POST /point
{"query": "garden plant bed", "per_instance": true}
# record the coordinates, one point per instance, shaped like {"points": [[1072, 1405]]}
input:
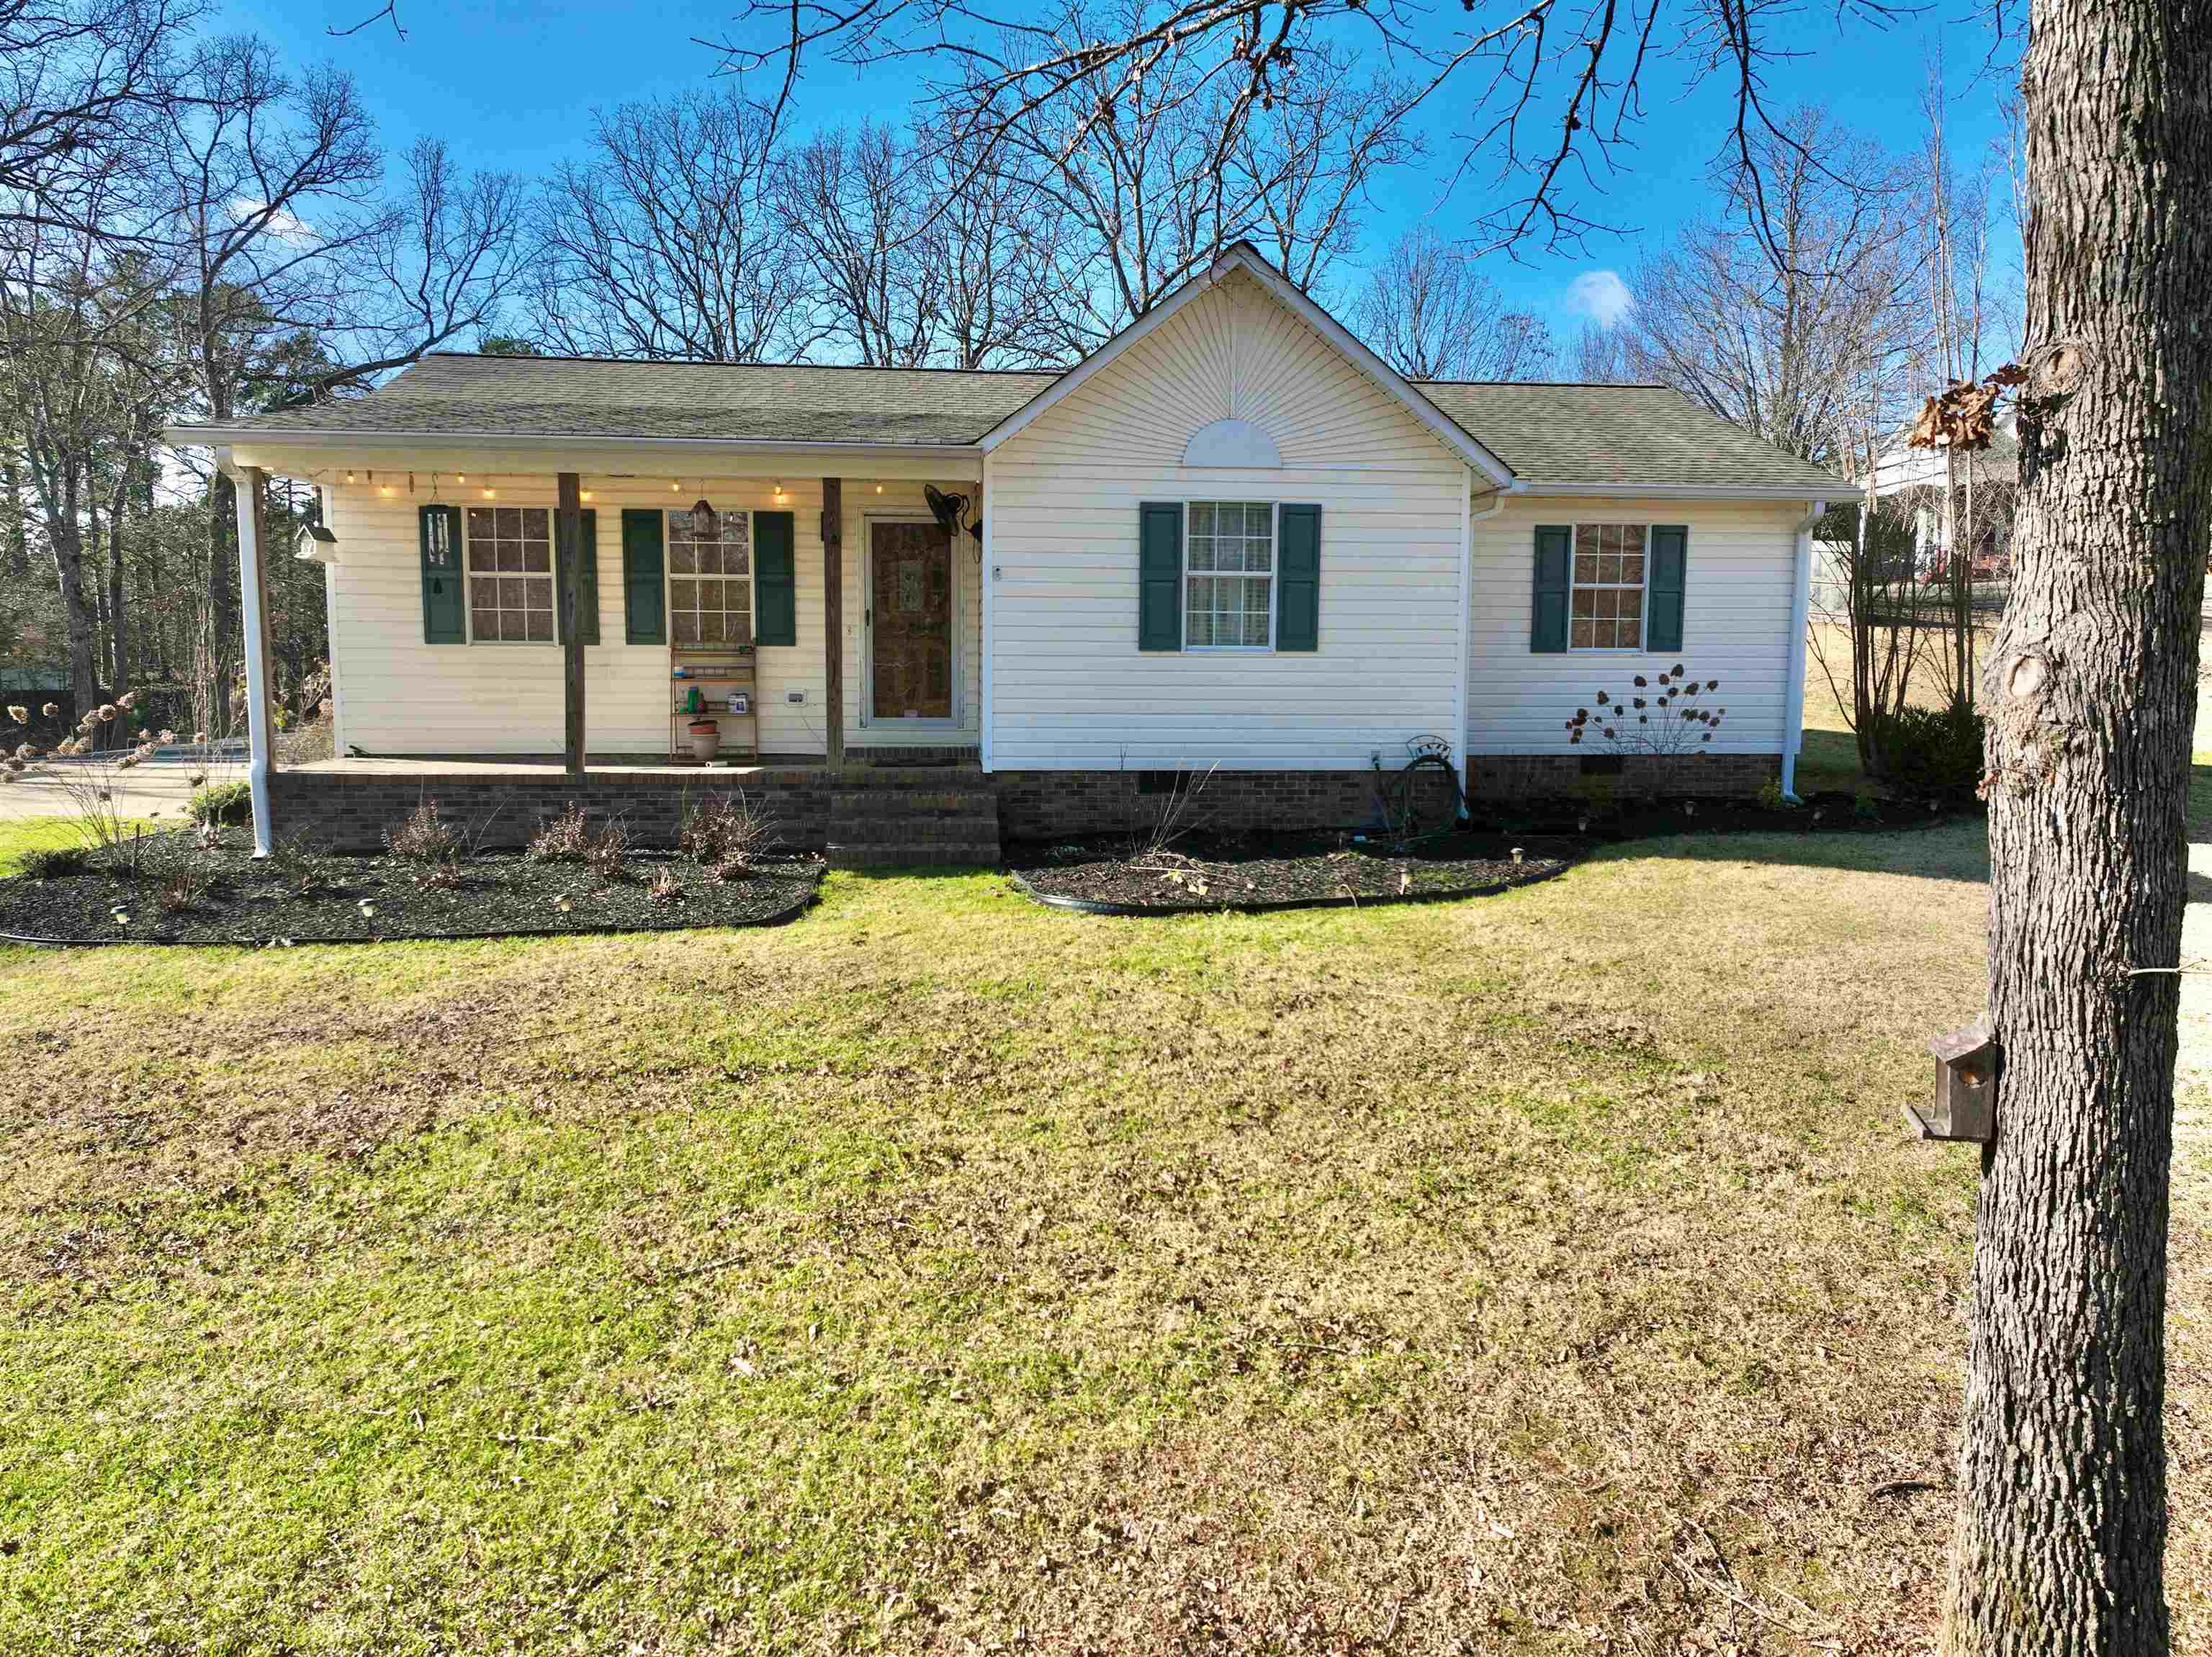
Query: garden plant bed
{"points": [[304, 896], [1632, 817], [1262, 872]]}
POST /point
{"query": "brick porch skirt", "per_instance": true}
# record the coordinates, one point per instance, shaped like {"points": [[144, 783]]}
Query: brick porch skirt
{"points": [[351, 810]]}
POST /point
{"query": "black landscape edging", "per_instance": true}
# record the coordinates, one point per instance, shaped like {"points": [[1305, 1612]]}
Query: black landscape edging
{"points": [[279, 940], [1096, 906]]}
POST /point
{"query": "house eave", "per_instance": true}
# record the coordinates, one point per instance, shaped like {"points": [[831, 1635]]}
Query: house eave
{"points": [[296, 438], [1806, 491]]}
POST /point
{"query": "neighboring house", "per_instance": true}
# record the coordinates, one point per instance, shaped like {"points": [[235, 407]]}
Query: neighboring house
{"points": [[1232, 537]]}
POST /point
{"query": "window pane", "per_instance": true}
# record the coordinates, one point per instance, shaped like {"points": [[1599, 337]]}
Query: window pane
{"points": [[1586, 538], [1632, 635], [684, 627], [536, 556], [1631, 570], [680, 559], [710, 595], [710, 627], [1582, 635], [1201, 554], [541, 626], [1201, 519], [1585, 566]]}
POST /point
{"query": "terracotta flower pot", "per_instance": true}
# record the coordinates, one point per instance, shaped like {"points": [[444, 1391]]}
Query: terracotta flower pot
{"points": [[706, 737]]}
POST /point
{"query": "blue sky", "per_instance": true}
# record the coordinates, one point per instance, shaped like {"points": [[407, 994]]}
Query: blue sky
{"points": [[511, 87]]}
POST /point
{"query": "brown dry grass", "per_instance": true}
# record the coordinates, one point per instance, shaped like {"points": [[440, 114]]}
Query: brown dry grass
{"points": [[1541, 1273]]}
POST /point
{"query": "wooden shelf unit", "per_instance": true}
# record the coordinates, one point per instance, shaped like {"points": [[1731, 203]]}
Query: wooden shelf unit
{"points": [[713, 674]]}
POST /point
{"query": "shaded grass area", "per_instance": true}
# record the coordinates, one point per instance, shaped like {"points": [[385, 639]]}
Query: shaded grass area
{"points": [[1531, 1274]]}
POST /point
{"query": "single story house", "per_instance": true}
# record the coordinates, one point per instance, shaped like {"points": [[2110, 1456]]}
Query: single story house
{"points": [[1232, 539]]}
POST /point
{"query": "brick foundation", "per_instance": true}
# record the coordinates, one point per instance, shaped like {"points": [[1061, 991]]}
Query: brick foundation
{"points": [[351, 810]]}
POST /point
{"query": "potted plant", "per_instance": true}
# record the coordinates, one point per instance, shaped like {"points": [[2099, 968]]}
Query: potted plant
{"points": [[706, 737]]}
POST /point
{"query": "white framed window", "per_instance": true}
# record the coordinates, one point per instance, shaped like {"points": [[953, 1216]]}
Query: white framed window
{"points": [[1229, 576], [1605, 608], [710, 580], [510, 563]]}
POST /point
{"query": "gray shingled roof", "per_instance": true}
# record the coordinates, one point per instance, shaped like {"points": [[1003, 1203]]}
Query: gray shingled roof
{"points": [[1633, 435], [599, 397], [1629, 435]]}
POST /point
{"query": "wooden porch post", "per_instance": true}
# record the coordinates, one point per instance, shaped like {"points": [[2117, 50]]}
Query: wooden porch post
{"points": [[569, 552], [833, 616]]}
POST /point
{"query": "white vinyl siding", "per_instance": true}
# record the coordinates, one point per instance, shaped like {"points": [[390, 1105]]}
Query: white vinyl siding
{"points": [[403, 697], [1070, 690], [1735, 624]]}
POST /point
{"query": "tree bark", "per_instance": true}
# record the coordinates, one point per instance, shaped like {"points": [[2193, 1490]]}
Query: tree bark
{"points": [[2091, 693], [67, 541]]}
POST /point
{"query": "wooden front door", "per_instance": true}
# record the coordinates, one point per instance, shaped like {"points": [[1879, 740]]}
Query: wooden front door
{"points": [[910, 621]]}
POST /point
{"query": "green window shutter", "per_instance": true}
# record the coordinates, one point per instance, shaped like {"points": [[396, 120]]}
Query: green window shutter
{"points": [[776, 580], [1547, 609], [445, 614], [1668, 577], [645, 607], [1159, 575], [1297, 579], [587, 577]]}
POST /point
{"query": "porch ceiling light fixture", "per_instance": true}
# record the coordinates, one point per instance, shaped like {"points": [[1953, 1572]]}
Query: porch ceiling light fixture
{"points": [[702, 519]]}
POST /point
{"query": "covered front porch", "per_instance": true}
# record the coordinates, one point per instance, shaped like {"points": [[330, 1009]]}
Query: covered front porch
{"points": [[493, 625]]}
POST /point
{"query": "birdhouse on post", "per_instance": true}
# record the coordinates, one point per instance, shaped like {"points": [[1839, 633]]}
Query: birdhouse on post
{"points": [[1965, 1104]]}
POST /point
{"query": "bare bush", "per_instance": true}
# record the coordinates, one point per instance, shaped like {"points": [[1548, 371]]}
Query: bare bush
{"points": [[727, 834], [1166, 818], [423, 837], [1659, 715]]}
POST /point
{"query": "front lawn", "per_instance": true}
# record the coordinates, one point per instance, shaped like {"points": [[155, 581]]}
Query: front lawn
{"points": [[1545, 1272]]}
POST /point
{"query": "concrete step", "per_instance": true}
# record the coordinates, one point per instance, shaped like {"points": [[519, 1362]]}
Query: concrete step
{"points": [[909, 855]]}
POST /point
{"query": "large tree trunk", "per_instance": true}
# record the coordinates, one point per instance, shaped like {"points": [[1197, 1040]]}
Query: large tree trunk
{"points": [[222, 569], [119, 636], [2090, 689], [67, 538]]}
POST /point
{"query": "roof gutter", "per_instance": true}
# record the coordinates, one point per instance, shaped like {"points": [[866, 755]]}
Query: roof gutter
{"points": [[1691, 491], [295, 437]]}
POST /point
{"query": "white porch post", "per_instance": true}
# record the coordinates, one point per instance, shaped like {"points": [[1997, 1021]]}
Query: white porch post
{"points": [[1793, 731], [254, 612]]}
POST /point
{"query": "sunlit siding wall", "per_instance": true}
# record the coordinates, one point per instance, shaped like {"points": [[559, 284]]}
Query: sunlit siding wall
{"points": [[400, 695], [1736, 624], [1070, 690]]}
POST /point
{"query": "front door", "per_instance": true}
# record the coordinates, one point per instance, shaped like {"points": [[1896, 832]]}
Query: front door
{"points": [[910, 622]]}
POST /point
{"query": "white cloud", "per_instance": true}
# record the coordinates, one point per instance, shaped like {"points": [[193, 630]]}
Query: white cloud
{"points": [[284, 224], [1601, 295]]}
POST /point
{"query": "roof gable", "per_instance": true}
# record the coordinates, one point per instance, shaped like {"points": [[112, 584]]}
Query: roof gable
{"points": [[1244, 259]]}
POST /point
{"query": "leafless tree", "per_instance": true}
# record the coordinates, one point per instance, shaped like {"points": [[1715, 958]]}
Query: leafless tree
{"points": [[81, 82], [667, 243], [851, 204], [1431, 315], [1769, 313], [1000, 246], [302, 276]]}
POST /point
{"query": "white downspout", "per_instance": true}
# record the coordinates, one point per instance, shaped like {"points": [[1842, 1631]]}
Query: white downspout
{"points": [[252, 610], [989, 571], [1468, 517], [1793, 729]]}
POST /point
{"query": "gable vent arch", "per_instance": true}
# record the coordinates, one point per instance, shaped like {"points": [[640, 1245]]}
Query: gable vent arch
{"points": [[1231, 443]]}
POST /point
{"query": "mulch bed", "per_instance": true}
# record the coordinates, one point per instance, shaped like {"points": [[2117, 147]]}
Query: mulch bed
{"points": [[309, 897], [1264, 872], [1641, 818], [1260, 872]]}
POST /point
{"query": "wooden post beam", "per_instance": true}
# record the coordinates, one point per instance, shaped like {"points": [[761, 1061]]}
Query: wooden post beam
{"points": [[833, 617], [569, 552]]}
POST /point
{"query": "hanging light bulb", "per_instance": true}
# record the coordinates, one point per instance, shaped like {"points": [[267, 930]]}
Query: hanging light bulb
{"points": [[349, 477], [671, 485], [490, 494], [584, 495], [463, 476]]}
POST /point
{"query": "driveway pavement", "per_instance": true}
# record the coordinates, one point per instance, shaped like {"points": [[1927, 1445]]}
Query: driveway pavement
{"points": [[141, 791]]}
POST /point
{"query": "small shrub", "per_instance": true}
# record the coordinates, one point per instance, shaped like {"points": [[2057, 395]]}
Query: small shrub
{"points": [[186, 889], [605, 856], [568, 839], [727, 834], [56, 862], [1771, 798], [222, 802], [421, 837], [1660, 715], [1938, 750], [664, 887]]}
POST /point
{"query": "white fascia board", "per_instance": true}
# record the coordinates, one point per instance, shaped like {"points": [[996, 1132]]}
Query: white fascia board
{"points": [[1446, 430], [693, 451], [1684, 491]]}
